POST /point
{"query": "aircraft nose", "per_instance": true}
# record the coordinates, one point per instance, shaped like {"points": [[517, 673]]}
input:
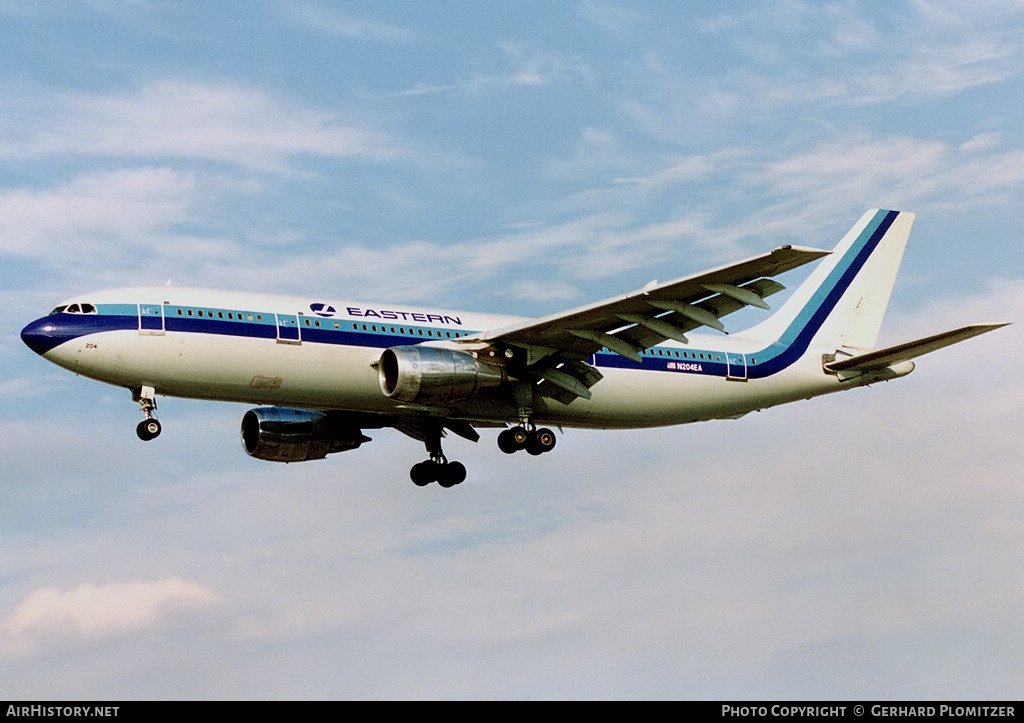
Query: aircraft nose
{"points": [[43, 334]]}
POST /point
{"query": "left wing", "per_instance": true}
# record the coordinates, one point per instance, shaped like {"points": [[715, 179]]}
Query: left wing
{"points": [[554, 348]]}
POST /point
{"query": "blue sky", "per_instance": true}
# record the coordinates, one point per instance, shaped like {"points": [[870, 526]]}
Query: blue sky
{"points": [[512, 158]]}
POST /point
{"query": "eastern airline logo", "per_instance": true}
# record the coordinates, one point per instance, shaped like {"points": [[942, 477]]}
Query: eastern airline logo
{"points": [[323, 310]]}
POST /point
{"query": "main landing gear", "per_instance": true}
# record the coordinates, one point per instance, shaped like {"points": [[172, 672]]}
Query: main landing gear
{"points": [[149, 428], [534, 441], [437, 468], [526, 435]]}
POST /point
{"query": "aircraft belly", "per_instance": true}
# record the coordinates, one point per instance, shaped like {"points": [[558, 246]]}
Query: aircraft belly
{"points": [[635, 398]]}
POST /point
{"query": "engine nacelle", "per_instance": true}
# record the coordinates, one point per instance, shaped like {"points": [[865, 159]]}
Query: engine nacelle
{"points": [[296, 435], [424, 374]]}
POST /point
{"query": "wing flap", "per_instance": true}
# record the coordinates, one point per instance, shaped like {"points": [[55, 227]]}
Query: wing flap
{"points": [[579, 333], [568, 382], [687, 317]]}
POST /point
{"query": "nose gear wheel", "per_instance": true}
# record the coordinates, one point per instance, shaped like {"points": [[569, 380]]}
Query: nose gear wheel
{"points": [[149, 428]]}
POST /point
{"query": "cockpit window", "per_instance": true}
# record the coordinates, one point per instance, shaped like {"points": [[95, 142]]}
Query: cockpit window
{"points": [[75, 309]]}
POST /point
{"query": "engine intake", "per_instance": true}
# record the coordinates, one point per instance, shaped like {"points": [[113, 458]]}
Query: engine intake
{"points": [[424, 374], [277, 434]]}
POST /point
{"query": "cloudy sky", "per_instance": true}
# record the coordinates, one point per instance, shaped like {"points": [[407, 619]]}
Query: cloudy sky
{"points": [[515, 158]]}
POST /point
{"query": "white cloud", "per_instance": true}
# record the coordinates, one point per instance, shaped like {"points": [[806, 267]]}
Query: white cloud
{"points": [[689, 169], [808, 58], [129, 205], [523, 66], [222, 122], [591, 247], [613, 17], [896, 172], [332, 22], [950, 70], [94, 611]]}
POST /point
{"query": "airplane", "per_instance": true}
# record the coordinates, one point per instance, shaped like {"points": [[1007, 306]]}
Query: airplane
{"points": [[324, 371]]}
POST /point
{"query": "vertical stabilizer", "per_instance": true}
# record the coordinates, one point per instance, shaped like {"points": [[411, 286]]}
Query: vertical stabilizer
{"points": [[842, 303]]}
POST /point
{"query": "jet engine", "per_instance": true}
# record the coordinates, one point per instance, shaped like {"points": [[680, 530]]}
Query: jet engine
{"points": [[296, 435], [429, 375]]}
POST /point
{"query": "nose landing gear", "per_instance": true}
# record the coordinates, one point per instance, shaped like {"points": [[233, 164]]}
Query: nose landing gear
{"points": [[149, 428]]}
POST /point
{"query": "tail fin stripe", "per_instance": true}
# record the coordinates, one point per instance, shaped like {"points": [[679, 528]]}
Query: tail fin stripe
{"points": [[796, 338]]}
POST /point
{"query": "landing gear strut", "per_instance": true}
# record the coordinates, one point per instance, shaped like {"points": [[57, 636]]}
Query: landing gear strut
{"points": [[437, 468], [149, 428]]}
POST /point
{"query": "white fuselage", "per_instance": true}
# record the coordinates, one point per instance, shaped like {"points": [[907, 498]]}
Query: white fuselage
{"points": [[289, 352]]}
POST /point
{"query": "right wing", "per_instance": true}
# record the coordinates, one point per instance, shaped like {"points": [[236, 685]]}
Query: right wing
{"points": [[554, 349]]}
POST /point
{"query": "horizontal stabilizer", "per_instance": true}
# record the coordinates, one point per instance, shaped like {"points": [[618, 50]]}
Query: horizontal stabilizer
{"points": [[904, 352]]}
